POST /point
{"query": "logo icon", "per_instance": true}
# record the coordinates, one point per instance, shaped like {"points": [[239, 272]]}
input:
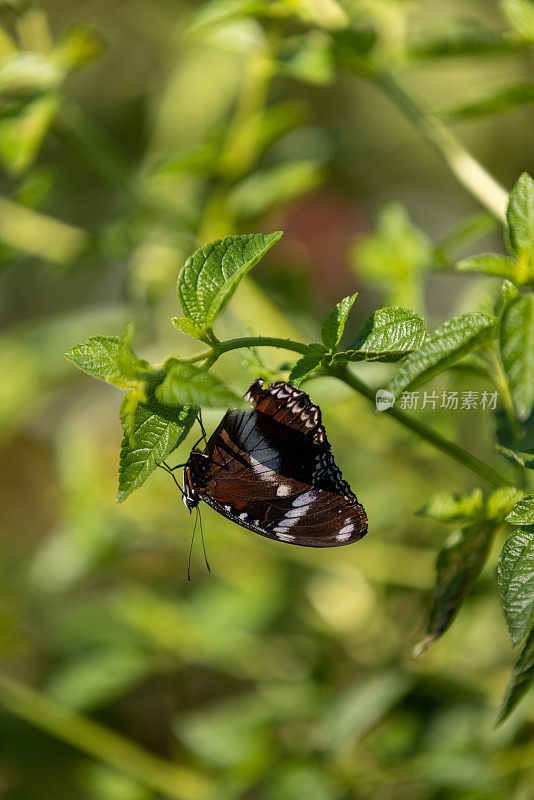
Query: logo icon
{"points": [[384, 400]]}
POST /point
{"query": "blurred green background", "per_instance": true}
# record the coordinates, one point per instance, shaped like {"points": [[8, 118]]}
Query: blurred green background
{"points": [[130, 133]]}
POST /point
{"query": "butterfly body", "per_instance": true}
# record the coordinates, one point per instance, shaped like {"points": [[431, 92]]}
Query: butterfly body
{"points": [[271, 471]]}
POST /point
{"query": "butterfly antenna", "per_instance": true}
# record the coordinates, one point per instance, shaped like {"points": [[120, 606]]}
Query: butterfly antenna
{"points": [[202, 537], [191, 548]]}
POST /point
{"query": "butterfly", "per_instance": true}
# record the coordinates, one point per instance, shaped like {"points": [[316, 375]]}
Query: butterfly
{"points": [[270, 469]]}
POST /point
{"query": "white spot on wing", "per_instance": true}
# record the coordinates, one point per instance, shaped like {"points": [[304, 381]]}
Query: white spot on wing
{"points": [[295, 513], [345, 532], [285, 537], [283, 490], [305, 499], [286, 523], [244, 515]]}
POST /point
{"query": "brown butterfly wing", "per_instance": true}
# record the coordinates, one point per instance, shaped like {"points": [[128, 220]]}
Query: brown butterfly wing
{"points": [[271, 470]]}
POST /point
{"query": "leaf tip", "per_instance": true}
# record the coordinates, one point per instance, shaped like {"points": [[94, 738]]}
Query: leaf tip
{"points": [[502, 716], [420, 648]]}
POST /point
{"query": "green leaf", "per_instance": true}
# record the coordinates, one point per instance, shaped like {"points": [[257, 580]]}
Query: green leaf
{"points": [[473, 364], [94, 679], [27, 74], [520, 219], [307, 57], [462, 235], [258, 192], [520, 680], [77, 46], [389, 334], [327, 14], [334, 324], [520, 16], [218, 12], [211, 275], [353, 48], [501, 501], [394, 256], [276, 120], [187, 385], [110, 359], [459, 564], [50, 239], [156, 431], [492, 264], [449, 507], [128, 413], [305, 367], [467, 39], [516, 583], [509, 292], [517, 352], [496, 101], [507, 435], [199, 159], [514, 457], [447, 345], [523, 512], [187, 326], [21, 137], [360, 706], [296, 779], [35, 188]]}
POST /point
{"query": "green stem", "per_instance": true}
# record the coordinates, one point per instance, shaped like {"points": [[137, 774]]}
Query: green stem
{"points": [[501, 382], [469, 172], [107, 746], [247, 341], [434, 438]]}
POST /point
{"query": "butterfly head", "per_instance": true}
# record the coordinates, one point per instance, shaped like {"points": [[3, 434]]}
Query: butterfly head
{"points": [[194, 478]]}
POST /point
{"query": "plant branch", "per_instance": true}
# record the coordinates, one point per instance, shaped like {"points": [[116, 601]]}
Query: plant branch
{"points": [[107, 746], [501, 382], [434, 438], [469, 172], [246, 341]]}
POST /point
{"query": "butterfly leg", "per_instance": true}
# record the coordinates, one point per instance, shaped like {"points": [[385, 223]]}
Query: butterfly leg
{"points": [[203, 438], [199, 417], [166, 467], [170, 470]]}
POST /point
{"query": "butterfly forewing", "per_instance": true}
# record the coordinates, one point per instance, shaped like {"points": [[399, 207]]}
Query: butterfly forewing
{"points": [[271, 470]]}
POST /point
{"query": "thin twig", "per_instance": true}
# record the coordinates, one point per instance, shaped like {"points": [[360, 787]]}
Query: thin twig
{"points": [[468, 171]]}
